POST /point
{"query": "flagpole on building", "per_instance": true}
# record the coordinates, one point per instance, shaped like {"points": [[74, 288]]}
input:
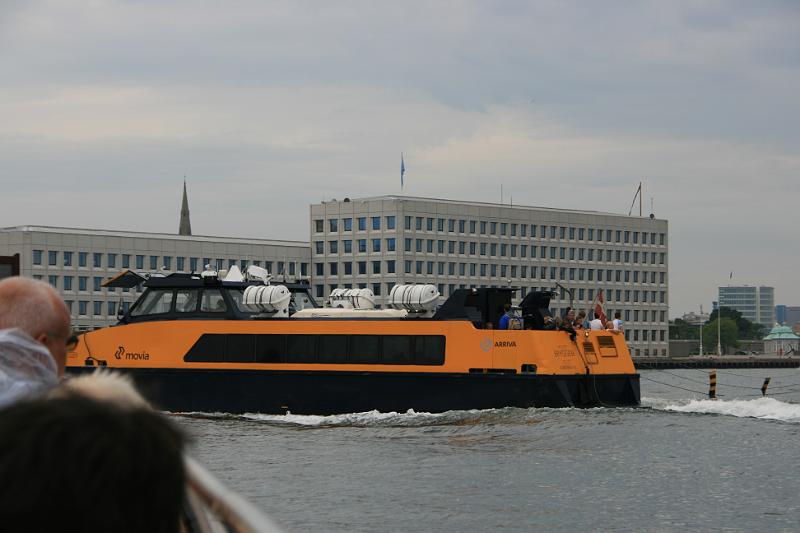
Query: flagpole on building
{"points": [[402, 170]]}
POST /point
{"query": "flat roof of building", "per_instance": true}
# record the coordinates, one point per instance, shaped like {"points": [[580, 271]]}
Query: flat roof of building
{"points": [[152, 235], [486, 204]]}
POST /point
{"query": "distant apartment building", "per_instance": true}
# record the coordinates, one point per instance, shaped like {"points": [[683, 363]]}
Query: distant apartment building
{"points": [[77, 261], [381, 241], [787, 315], [757, 304]]}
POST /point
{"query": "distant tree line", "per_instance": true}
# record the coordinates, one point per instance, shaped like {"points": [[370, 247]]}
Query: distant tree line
{"points": [[733, 328]]}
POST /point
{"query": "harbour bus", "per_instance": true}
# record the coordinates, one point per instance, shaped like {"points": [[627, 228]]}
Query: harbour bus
{"points": [[240, 342]]}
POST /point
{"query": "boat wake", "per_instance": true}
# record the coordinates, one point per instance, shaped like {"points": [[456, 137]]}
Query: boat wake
{"points": [[409, 418], [763, 408], [366, 419]]}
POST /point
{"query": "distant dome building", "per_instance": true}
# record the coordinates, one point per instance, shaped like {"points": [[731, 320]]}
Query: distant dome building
{"points": [[782, 341]]}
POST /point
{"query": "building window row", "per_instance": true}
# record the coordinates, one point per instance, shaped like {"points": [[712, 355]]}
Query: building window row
{"points": [[374, 222], [155, 262], [510, 229], [84, 306], [361, 268], [431, 246]]}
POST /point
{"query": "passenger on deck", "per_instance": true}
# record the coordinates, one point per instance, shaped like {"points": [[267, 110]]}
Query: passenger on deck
{"points": [[617, 322], [507, 316], [569, 317], [596, 323], [35, 335], [580, 321], [75, 464]]}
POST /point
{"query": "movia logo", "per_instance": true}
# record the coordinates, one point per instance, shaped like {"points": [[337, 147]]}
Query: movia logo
{"points": [[121, 353]]}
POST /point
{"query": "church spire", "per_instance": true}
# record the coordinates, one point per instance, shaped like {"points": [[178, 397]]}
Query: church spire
{"points": [[185, 226]]}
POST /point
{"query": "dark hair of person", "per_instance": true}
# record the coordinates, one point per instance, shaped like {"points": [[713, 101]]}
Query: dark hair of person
{"points": [[74, 464]]}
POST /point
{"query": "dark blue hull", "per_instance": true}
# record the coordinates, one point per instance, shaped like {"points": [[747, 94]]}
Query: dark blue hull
{"points": [[323, 393]]}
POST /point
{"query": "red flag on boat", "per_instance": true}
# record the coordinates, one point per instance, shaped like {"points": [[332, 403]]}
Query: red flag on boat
{"points": [[599, 310]]}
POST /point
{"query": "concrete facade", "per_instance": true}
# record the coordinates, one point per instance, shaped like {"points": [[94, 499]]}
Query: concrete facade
{"points": [[76, 261], [382, 241], [757, 304]]}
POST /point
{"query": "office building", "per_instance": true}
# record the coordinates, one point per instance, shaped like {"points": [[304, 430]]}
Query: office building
{"points": [[378, 242], [756, 304], [787, 315]]}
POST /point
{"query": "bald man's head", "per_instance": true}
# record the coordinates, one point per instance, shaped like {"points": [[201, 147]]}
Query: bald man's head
{"points": [[36, 308]]}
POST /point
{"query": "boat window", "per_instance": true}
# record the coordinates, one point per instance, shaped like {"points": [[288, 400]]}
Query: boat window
{"points": [[212, 302], [301, 348], [430, 350], [365, 349], [397, 350], [237, 295], [209, 348], [332, 348], [240, 348], [270, 348], [186, 300], [321, 349], [153, 302]]}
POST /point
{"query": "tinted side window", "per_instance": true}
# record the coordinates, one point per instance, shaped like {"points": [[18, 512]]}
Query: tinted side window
{"points": [[270, 348], [301, 348], [323, 349], [430, 350], [240, 348], [397, 350], [209, 348], [332, 349], [365, 349]]}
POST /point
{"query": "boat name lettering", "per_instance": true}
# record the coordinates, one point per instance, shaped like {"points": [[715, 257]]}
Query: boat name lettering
{"points": [[122, 353], [505, 344], [563, 351]]}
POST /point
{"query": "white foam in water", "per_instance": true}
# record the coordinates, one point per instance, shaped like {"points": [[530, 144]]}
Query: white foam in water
{"points": [[765, 408], [349, 419]]}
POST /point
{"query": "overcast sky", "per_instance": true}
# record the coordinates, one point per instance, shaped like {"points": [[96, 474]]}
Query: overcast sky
{"points": [[268, 107]]}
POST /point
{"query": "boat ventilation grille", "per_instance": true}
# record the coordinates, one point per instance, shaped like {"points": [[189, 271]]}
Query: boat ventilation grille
{"points": [[492, 371], [588, 350], [608, 347]]}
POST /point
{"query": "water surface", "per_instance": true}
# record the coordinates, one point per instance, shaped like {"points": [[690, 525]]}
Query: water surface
{"points": [[680, 461]]}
